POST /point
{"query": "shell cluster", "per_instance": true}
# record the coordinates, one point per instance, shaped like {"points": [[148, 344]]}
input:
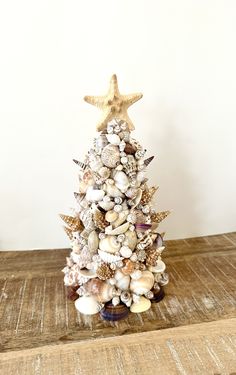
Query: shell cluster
{"points": [[115, 265]]}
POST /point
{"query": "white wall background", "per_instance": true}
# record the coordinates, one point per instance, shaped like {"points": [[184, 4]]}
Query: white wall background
{"points": [[180, 54]]}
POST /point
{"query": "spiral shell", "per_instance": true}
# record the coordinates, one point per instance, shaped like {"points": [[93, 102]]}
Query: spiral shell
{"points": [[111, 216], [130, 167], [109, 244], [110, 156], [143, 284]]}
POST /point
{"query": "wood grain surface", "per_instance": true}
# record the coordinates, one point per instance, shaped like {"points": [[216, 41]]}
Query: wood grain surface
{"points": [[35, 314]]}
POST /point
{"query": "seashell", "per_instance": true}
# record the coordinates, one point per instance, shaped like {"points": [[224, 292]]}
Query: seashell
{"points": [[140, 154], [101, 141], [121, 218], [99, 219], [88, 305], [140, 176], [113, 191], [131, 237], [105, 272], [137, 274], [96, 164], [121, 181], [148, 160], [108, 258], [102, 291], [145, 242], [114, 313], [131, 193], [107, 206], [126, 298], [111, 216], [115, 301], [109, 244], [104, 172], [130, 149], [93, 242], [137, 199], [144, 304], [94, 195], [90, 274], [114, 139], [88, 177], [119, 230], [122, 281], [148, 194], [158, 295], [143, 284], [164, 279], [157, 217], [74, 223], [125, 252], [110, 156], [130, 167], [69, 232], [158, 268], [87, 218], [129, 267], [142, 227], [83, 166]]}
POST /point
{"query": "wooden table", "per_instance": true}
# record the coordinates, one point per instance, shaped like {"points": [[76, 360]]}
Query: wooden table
{"points": [[191, 331]]}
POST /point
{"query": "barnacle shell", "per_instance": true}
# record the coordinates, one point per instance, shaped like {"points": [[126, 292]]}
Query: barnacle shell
{"points": [[144, 284], [110, 156], [109, 244], [121, 181], [119, 230], [111, 216], [93, 241], [109, 258], [88, 305], [114, 313], [143, 305], [102, 291]]}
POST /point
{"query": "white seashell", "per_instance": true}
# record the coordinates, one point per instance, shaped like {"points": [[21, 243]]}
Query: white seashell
{"points": [[94, 195], [111, 216], [121, 181], [107, 206], [122, 281], [113, 139], [109, 258], [118, 208], [109, 244], [131, 192], [121, 218], [90, 274], [113, 191], [126, 298], [158, 268], [115, 300], [143, 284], [142, 305], [110, 156], [93, 241], [96, 164], [119, 230], [104, 172], [137, 274], [137, 199], [125, 251], [140, 176], [88, 305]]}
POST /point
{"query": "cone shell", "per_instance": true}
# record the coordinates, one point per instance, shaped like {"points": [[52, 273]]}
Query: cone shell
{"points": [[69, 232], [148, 160], [147, 195], [159, 216], [144, 304], [128, 267], [88, 305], [144, 284], [109, 244], [110, 156], [73, 222], [102, 291]]}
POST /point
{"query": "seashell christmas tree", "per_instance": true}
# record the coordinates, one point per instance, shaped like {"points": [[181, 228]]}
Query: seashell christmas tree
{"points": [[115, 265]]}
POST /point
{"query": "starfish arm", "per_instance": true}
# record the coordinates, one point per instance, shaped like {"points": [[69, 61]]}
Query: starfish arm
{"points": [[97, 101], [107, 115], [113, 88], [131, 98]]}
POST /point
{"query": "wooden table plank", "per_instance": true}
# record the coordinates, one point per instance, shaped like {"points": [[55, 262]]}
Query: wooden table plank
{"points": [[206, 348], [34, 310]]}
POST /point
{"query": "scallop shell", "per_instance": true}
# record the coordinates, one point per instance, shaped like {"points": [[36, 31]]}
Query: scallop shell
{"points": [[102, 291], [119, 230], [113, 139], [93, 242], [88, 305], [109, 244], [122, 281], [108, 258], [158, 268], [121, 181], [114, 313], [144, 284], [111, 216], [110, 156], [107, 206], [144, 304], [131, 237], [121, 218], [94, 195]]}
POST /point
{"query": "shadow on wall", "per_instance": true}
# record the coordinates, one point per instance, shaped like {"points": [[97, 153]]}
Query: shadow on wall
{"points": [[175, 175]]}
